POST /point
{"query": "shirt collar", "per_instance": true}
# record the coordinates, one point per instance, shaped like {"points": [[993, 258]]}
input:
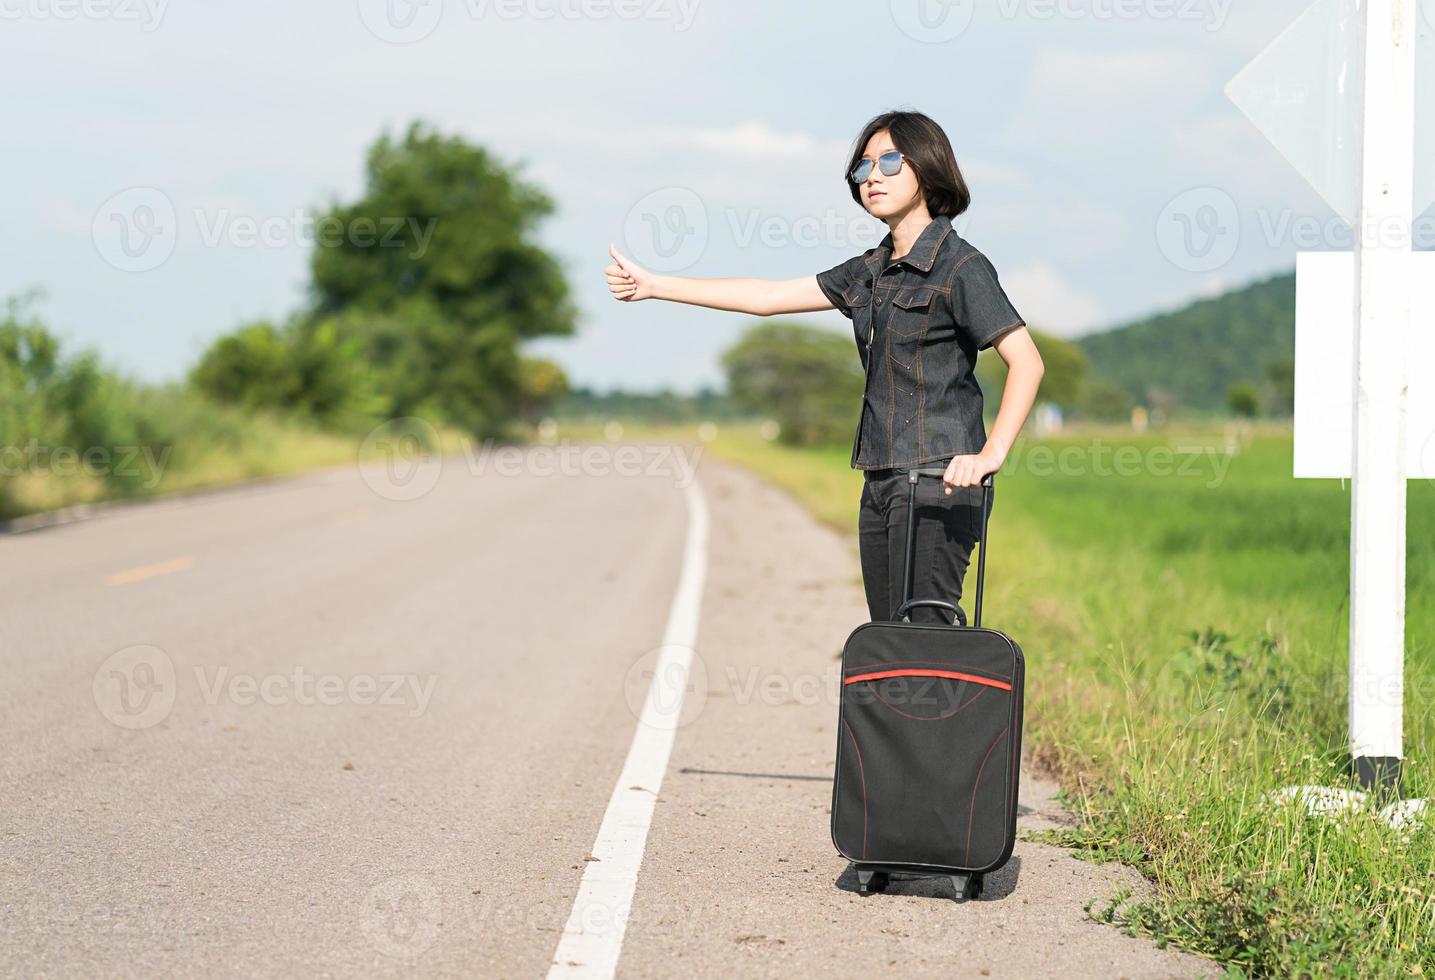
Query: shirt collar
{"points": [[924, 249]]}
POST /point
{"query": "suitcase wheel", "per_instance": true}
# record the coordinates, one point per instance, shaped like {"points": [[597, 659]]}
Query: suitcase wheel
{"points": [[871, 882], [967, 886]]}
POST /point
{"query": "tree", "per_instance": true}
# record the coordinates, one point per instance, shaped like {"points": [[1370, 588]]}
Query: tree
{"points": [[1062, 384], [544, 383], [458, 285], [249, 367], [1106, 401], [306, 368], [1243, 399], [1280, 387], [804, 377]]}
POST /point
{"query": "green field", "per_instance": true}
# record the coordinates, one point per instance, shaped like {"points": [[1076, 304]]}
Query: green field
{"points": [[1184, 619]]}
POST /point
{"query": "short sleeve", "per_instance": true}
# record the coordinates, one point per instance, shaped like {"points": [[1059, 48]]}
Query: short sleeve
{"points": [[836, 281], [980, 306]]}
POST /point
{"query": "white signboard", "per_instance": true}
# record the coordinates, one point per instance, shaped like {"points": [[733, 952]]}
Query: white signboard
{"points": [[1325, 366]]}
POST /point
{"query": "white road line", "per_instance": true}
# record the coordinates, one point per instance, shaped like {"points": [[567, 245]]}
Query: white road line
{"points": [[593, 938]]}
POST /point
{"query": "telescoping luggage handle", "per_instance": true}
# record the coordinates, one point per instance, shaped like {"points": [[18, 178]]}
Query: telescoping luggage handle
{"points": [[913, 475]]}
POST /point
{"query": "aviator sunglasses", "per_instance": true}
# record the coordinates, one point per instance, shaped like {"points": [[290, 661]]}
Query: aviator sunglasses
{"points": [[890, 162]]}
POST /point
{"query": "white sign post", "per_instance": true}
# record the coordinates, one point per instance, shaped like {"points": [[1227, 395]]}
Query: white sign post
{"points": [[1382, 340], [1337, 94]]}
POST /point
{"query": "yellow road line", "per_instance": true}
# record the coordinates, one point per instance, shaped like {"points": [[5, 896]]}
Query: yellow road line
{"points": [[143, 572]]}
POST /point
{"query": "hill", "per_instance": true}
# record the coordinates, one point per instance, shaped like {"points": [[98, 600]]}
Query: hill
{"points": [[1190, 358]]}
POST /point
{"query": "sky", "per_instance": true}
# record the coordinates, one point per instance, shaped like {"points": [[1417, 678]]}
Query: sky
{"points": [[163, 160]]}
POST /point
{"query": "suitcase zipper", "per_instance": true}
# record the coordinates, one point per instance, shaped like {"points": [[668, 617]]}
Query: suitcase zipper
{"points": [[919, 672]]}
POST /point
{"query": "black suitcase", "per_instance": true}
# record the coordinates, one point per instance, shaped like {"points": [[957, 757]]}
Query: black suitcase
{"points": [[928, 740]]}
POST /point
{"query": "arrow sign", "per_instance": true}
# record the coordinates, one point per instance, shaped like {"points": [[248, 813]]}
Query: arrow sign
{"points": [[1304, 93]]}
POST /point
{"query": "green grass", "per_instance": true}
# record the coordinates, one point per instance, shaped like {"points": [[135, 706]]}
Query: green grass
{"points": [[1185, 632], [202, 445]]}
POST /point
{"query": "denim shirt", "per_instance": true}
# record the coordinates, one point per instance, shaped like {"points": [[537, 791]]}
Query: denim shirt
{"points": [[919, 323]]}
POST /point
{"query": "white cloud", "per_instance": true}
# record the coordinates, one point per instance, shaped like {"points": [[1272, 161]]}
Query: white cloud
{"points": [[1048, 302], [1080, 228], [1103, 84], [753, 139]]}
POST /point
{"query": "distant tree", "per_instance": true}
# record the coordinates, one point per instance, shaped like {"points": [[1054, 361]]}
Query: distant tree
{"points": [[1243, 400], [54, 399], [451, 277], [29, 366], [1107, 401], [307, 368], [1280, 386], [249, 367], [806, 378], [459, 226], [1197, 352], [1163, 402], [583, 402], [543, 384], [1062, 384]]}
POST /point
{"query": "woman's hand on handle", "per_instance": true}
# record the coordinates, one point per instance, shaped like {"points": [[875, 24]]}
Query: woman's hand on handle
{"points": [[970, 470], [627, 280]]}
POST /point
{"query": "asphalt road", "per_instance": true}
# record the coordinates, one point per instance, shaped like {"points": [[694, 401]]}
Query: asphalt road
{"points": [[315, 728]]}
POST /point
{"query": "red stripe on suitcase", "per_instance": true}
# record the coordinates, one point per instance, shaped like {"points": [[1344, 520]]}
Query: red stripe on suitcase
{"points": [[917, 672]]}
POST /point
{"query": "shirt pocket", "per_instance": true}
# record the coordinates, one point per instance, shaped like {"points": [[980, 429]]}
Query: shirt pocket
{"points": [[858, 297], [911, 308]]}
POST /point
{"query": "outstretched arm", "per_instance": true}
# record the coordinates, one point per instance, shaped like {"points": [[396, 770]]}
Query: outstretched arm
{"points": [[629, 282]]}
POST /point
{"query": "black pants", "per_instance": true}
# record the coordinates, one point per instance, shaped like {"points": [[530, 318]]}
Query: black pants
{"points": [[948, 527]]}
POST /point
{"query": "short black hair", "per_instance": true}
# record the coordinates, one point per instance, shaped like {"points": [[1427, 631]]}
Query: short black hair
{"points": [[927, 151]]}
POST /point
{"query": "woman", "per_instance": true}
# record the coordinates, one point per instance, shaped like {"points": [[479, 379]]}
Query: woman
{"points": [[923, 302]]}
